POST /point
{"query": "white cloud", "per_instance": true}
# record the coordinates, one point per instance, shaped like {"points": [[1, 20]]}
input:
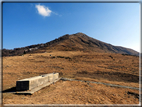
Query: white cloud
{"points": [[56, 14], [43, 10]]}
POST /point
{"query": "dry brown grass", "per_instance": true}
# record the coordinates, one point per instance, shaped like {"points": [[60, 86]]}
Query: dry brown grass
{"points": [[73, 92], [100, 67]]}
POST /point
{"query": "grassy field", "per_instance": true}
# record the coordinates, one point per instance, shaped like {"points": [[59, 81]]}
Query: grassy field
{"points": [[91, 66]]}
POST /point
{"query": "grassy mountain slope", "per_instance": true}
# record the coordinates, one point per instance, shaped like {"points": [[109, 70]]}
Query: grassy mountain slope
{"points": [[74, 42]]}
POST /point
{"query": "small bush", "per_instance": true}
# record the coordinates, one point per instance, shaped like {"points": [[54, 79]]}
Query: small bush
{"points": [[60, 56], [67, 58], [53, 57], [64, 57], [83, 72], [110, 56], [60, 73]]}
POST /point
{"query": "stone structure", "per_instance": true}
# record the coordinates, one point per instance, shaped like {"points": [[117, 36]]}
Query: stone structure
{"points": [[33, 82]]}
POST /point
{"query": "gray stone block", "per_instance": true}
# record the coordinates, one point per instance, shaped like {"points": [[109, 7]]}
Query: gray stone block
{"points": [[33, 82]]}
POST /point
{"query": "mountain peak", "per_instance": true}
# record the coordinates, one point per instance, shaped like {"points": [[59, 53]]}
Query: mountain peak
{"points": [[74, 42], [80, 33]]}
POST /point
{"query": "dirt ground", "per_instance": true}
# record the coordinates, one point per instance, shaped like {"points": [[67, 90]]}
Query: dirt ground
{"points": [[100, 67], [73, 92]]}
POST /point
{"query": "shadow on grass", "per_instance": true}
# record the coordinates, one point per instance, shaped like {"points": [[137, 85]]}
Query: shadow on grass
{"points": [[134, 94], [13, 89]]}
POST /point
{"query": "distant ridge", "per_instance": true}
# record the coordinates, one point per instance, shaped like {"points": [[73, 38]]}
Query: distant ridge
{"points": [[73, 42]]}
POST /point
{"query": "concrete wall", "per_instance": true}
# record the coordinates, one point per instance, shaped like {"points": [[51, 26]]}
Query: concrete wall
{"points": [[30, 83]]}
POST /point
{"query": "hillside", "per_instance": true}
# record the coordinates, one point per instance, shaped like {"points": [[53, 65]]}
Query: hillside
{"points": [[75, 56], [74, 42], [88, 66]]}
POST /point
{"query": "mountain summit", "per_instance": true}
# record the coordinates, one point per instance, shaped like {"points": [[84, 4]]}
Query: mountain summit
{"points": [[73, 42]]}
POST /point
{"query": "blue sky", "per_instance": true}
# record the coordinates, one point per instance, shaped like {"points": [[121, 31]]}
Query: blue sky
{"points": [[33, 23]]}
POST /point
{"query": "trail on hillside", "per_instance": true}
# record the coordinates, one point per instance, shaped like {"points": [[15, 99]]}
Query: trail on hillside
{"points": [[112, 85]]}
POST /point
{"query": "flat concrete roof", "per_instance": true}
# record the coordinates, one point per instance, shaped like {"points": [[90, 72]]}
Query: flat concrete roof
{"points": [[27, 79], [36, 77]]}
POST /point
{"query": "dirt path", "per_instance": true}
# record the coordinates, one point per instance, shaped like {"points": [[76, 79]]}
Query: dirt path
{"points": [[112, 85]]}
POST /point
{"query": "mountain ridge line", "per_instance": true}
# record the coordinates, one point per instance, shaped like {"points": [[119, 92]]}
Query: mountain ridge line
{"points": [[73, 42]]}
